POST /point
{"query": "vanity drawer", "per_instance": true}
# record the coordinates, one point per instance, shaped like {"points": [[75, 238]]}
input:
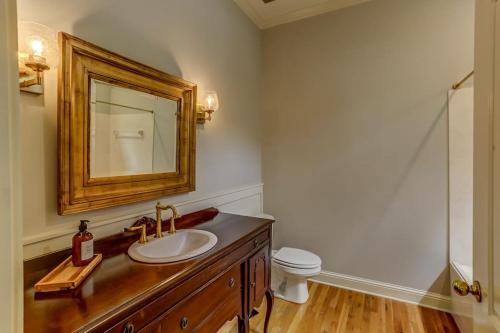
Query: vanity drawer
{"points": [[261, 239], [206, 309]]}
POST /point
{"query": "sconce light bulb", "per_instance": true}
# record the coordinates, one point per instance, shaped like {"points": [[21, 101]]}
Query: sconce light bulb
{"points": [[37, 47], [210, 102]]}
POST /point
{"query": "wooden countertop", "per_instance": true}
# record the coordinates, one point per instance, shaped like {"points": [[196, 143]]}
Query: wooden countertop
{"points": [[119, 283]]}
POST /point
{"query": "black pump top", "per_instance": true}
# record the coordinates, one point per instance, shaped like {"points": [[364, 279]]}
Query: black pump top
{"points": [[83, 225]]}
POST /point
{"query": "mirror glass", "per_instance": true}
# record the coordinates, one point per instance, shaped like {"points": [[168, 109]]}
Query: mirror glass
{"points": [[131, 132]]}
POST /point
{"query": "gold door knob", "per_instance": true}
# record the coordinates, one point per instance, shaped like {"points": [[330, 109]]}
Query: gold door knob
{"points": [[463, 289]]}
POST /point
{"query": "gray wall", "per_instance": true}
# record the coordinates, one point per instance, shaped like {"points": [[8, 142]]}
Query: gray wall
{"points": [[355, 136], [209, 42]]}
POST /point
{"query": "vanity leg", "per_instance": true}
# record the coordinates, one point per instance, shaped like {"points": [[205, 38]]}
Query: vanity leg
{"points": [[243, 325], [269, 308]]}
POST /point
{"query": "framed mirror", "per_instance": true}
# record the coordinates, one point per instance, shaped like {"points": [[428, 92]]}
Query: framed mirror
{"points": [[126, 131]]}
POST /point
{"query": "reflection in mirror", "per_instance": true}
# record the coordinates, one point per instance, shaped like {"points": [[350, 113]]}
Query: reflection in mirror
{"points": [[131, 132]]}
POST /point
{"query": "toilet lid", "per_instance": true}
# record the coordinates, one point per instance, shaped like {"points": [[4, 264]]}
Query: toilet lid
{"points": [[296, 258]]}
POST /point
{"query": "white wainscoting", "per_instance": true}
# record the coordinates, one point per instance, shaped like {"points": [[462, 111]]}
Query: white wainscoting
{"points": [[243, 201], [387, 290]]}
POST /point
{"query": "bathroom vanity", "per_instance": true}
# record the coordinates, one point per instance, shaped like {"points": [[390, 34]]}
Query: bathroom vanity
{"points": [[196, 295]]}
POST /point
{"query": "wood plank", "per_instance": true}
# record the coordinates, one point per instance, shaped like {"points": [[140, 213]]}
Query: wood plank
{"points": [[331, 310], [66, 276]]}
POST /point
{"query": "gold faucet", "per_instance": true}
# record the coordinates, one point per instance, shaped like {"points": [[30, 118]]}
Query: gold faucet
{"points": [[142, 228], [175, 215]]}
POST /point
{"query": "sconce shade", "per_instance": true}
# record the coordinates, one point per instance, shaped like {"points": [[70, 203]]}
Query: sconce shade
{"points": [[37, 43], [38, 52], [210, 101]]}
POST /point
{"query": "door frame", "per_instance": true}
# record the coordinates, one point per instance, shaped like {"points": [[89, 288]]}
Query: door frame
{"points": [[483, 205], [11, 282]]}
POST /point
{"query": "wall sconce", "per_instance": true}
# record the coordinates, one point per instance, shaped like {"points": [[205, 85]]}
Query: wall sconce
{"points": [[37, 54], [209, 104]]}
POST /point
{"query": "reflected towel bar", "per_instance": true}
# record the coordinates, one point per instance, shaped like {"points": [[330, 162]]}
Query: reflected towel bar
{"points": [[459, 84], [124, 134], [122, 106]]}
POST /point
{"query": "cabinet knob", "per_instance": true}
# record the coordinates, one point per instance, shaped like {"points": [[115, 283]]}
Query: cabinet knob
{"points": [[252, 284], [184, 323], [232, 281], [128, 328]]}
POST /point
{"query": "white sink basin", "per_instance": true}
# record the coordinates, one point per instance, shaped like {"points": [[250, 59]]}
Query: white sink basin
{"points": [[184, 244]]}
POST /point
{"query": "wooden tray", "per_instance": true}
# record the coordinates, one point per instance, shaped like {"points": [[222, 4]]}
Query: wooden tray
{"points": [[66, 275]]}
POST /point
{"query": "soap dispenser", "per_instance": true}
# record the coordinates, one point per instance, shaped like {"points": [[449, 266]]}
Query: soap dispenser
{"points": [[83, 246]]}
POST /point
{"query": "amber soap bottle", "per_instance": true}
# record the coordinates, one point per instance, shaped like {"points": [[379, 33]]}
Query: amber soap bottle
{"points": [[83, 246]]}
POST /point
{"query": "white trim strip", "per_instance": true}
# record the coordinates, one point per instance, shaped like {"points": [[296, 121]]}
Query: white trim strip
{"points": [[386, 290], [60, 238]]}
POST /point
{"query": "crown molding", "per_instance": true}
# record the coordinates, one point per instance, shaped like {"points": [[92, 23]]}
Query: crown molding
{"points": [[295, 15], [248, 9]]}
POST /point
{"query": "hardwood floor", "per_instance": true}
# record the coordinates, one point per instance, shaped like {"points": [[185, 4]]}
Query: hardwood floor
{"points": [[334, 310]]}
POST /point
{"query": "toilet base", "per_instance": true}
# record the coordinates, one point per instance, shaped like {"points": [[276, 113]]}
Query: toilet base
{"points": [[288, 287]]}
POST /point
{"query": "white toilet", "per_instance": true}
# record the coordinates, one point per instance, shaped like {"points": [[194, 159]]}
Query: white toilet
{"points": [[290, 270]]}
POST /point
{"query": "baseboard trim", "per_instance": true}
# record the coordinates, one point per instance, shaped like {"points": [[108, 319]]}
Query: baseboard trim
{"points": [[386, 290], [232, 200]]}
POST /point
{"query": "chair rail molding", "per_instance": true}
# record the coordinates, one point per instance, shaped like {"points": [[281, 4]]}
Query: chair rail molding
{"points": [[247, 200]]}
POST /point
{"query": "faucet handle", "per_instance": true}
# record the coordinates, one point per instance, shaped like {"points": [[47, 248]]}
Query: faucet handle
{"points": [[142, 228], [172, 222]]}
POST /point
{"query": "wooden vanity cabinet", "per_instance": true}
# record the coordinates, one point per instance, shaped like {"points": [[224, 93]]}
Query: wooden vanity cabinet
{"points": [[200, 295]]}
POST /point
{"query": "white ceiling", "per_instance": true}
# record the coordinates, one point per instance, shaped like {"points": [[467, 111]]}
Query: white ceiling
{"points": [[284, 11]]}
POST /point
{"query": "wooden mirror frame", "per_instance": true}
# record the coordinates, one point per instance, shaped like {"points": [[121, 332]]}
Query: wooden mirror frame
{"points": [[77, 191]]}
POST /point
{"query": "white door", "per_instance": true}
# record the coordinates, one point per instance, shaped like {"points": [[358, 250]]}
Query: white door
{"points": [[486, 270]]}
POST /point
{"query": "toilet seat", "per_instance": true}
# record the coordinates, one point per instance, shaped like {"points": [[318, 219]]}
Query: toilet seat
{"points": [[298, 271], [287, 264], [297, 259]]}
